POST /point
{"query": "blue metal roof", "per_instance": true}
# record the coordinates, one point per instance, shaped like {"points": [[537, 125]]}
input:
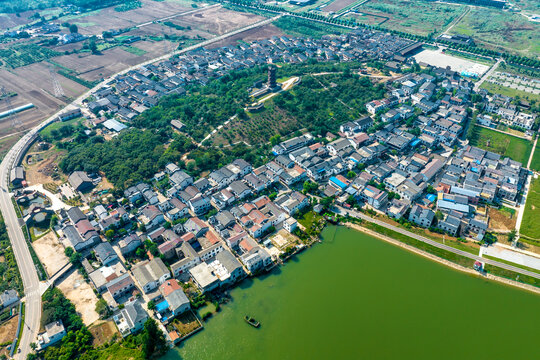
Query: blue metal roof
{"points": [[338, 182]]}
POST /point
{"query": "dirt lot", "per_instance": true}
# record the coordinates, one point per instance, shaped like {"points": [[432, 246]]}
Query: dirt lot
{"points": [[81, 295], [501, 220], [8, 329], [102, 331], [217, 20], [41, 171], [50, 252]]}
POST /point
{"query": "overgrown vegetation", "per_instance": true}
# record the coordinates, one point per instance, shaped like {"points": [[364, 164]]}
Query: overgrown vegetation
{"points": [[129, 158], [77, 344], [506, 145], [530, 226], [10, 277]]}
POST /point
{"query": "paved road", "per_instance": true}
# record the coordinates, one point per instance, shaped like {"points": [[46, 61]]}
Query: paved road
{"points": [[32, 286], [487, 75], [439, 245], [24, 261]]}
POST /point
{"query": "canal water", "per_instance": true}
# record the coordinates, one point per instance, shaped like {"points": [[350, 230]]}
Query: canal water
{"points": [[356, 297]]}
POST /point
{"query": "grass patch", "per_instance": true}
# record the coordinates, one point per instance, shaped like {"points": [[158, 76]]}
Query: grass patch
{"points": [[535, 163], [503, 90], [118, 351], [500, 30], [530, 226], [134, 50], [512, 263], [525, 279], [42, 274], [503, 144], [444, 254], [59, 129]]}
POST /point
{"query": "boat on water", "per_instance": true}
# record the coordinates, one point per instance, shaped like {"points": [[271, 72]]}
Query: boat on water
{"points": [[251, 321]]}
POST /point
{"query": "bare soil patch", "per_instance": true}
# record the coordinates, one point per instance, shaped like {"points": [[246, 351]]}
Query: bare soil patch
{"points": [[260, 33], [41, 171], [81, 295], [8, 330], [32, 84], [499, 220], [50, 252], [217, 20], [102, 332]]}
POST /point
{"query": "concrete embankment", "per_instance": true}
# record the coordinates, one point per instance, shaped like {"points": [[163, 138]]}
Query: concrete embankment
{"points": [[441, 260]]}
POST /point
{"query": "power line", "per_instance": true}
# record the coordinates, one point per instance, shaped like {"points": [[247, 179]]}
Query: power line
{"points": [[57, 88]]}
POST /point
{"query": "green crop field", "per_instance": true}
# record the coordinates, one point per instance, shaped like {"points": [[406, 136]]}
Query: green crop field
{"points": [[496, 29], [530, 226], [506, 145], [416, 17]]}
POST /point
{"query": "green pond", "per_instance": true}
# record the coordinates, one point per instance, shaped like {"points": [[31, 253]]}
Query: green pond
{"points": [[356, 297]]}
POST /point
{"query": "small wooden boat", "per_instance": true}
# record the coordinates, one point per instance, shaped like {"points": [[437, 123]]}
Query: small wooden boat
{"points": [[251, 321]]}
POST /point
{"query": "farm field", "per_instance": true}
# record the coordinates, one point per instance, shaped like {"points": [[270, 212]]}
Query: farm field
{"points": [[497, 29], [260, 33], [416, 17], [95, 22], [92, 67], [530, 226], [506, 145], [337, 5]]}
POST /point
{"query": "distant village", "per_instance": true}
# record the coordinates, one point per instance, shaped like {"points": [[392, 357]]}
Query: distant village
{"points": [[213, 231]]}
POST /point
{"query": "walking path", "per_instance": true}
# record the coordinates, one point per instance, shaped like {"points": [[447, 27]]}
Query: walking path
{"points": [[487, 75], [56, 203], [437, 244], [532, 153], [503, 132]]}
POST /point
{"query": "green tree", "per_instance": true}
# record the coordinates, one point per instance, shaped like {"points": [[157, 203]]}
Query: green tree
{"points": [[92, 46], [153, 340], [151, 305], [69, 251], [102, 308], [351, 174], [73, 29], [109, 234]]}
